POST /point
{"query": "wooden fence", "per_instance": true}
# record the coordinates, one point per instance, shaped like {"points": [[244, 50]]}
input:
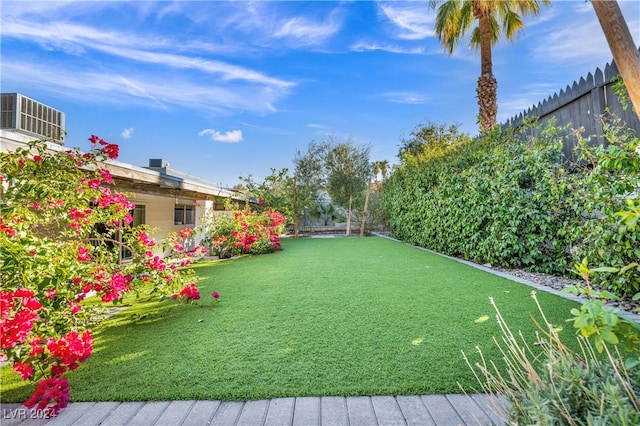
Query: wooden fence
{"points": [[581, 105]]}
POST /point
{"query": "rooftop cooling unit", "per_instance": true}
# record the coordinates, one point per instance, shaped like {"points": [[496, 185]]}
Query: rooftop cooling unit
{"points": [[27, 116]]}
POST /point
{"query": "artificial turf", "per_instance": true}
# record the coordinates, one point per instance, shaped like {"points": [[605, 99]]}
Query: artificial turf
{"points": [[335, 316]]}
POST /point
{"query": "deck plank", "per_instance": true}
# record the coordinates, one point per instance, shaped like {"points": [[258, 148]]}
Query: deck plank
{"points": [[387, 411], [280, 412], [253, 413], [468, 410], [414, 411], [333, 411], [306, 411], [122, 414], [227, 413], [494, 407], [149, 413], [361, 411], [201, 413], [441, 410], [96, 414], [175, 413]]}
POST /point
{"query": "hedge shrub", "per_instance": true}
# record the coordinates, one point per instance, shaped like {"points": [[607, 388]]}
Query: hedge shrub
{"points": [[518, 204]]}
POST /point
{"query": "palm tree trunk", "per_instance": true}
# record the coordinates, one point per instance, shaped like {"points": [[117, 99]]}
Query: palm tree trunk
{"points": [[487, 84], [625, 53]]}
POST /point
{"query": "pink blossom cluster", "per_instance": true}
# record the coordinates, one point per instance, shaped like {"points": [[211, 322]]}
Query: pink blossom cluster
{"points": [[111, 150], [52, 394], [18, 312]]}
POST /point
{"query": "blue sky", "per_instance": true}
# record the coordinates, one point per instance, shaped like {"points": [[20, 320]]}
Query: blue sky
{"points": [[222, 89]]}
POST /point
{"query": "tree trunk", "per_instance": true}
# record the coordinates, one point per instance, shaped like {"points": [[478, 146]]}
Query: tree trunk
{"points": [[487, 85], [349, 217], [295, 209], [366, 206], [487, 101], [624, 51]]}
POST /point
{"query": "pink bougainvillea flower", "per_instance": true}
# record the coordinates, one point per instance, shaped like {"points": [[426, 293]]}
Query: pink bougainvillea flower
{"points": [[106, 175], [215, 295], [52, 390], [94, 183], [190, 292], [83, 254], [24, 369], [111, 150]]}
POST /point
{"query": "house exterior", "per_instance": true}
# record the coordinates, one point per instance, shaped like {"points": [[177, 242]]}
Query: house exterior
{"points": [[165, 199]]}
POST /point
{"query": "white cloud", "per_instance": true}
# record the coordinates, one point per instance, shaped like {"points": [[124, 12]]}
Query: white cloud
{"points": [[232, 136], [404, 98], [413, 20], [306, 32], [119, 86], [364, 46], [127, 133], [76, 39]]}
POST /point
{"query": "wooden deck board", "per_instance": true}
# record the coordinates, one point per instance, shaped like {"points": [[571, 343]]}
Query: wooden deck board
{"points": [[425, 410]]}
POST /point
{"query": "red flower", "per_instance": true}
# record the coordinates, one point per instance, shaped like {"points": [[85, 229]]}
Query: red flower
{"points": [[24, 369], [37, 158], [106, 175], [9, 231], [22, 292], [190, 292], [111, 150], [215, 295], [54, 390], [83, 254], [94, 183]]}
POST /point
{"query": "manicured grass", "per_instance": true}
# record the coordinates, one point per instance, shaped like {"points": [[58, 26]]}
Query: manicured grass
{"points": [[323, 317]]}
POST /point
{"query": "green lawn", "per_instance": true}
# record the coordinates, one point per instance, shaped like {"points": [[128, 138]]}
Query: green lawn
{"points": [[323, 317]]}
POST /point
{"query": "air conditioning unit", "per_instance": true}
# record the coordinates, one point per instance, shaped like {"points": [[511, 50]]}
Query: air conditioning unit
{"points": [[24, 115]]}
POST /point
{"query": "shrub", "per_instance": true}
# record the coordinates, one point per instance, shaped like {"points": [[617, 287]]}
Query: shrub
{"points": [[243, 232], [547, 383], [518, 204], [62, 229]]}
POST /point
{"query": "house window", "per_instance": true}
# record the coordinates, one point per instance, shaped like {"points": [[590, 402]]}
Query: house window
{"points": [[184, 215]]}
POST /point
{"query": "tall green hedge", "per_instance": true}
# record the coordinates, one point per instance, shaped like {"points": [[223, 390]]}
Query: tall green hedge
{"points": [[518, 204]]}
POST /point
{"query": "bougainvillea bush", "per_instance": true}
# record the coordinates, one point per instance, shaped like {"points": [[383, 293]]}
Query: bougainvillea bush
{"points": [[243, 231], [62, 231]]}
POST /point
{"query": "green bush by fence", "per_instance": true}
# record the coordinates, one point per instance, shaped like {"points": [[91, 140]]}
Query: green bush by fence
{"points": [[520, 205]]}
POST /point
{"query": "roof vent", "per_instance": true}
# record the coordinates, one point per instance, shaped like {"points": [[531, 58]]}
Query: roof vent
{"points": [[158, 162]]}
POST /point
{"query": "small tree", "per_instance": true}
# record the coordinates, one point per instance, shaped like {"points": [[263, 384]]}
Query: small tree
{"points": [[348, 171], [309, 178]]}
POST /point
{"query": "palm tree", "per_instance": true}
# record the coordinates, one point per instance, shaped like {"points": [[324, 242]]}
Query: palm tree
{"points": [[625, 54], [384, 168], [454, 19]]}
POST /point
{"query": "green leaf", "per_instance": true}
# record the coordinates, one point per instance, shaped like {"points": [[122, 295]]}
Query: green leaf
{"points": [[605, 269], [610, 337]]}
